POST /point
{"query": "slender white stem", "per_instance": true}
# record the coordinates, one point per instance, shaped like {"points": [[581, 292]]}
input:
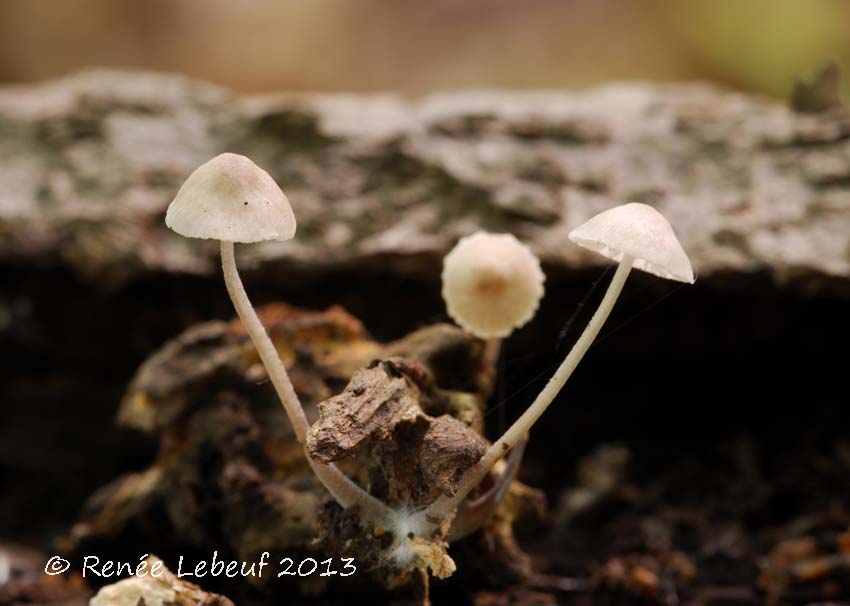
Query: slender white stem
{"points": [[268, 354], [345, 491], [445, 505]]}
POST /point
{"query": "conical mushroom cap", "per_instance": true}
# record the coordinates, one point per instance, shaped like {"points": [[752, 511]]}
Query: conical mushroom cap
{"points": [[231, 198], [492, 284], [640, 231]]}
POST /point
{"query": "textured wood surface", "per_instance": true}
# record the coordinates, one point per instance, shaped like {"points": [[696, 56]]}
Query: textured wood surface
{"points": [[89, 164]]}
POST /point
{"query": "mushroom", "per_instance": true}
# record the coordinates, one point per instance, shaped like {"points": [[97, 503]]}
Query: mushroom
{"points": [[635, 235], [231, 199], [492, 284]]}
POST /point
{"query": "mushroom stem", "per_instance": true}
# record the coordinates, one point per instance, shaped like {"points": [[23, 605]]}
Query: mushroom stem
{"points": [[472, 514], [445, 505], [344, 490], [268, 354]]}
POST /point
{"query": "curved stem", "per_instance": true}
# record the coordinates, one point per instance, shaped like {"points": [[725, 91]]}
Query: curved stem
{"points": [[445, 505], [345, 491], [473, 514]]}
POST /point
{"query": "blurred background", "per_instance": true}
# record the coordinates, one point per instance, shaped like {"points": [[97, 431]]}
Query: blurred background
{"points": [[415, 47], [747, 441]]}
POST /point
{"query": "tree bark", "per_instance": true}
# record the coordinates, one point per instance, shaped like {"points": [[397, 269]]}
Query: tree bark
{"points": [[380, 183]]}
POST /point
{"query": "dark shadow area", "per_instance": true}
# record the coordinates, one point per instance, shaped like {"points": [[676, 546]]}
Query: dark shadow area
{"points": [[729, 395]]}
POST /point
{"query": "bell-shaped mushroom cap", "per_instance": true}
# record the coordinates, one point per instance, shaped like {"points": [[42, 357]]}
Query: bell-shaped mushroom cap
{"points": [[492, 284], [640, 231], [231, 198]]}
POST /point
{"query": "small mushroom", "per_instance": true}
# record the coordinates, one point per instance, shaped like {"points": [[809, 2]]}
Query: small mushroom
{"points": [[492, 284], [635, 235], [231, 199], [640, 232]]}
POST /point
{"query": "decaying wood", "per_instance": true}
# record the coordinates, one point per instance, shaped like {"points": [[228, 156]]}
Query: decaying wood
{"points": [[804, 567], [229, 475], [379, 183], [378, 399], [449, 448], [165, 589], [385, 409], [216, 355], [476, 511]]}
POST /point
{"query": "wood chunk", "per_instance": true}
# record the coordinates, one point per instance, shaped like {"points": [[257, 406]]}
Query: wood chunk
{"points": [[449, 448], [378, 398], [162, 590]]}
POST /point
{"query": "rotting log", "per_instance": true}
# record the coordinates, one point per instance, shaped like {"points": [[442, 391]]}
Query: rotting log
{"points": [[90, 162]]}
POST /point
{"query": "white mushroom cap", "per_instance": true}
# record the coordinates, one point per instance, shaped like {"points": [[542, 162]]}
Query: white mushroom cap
{"points": [[231, 198], [492, 284], [640, 231]]}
